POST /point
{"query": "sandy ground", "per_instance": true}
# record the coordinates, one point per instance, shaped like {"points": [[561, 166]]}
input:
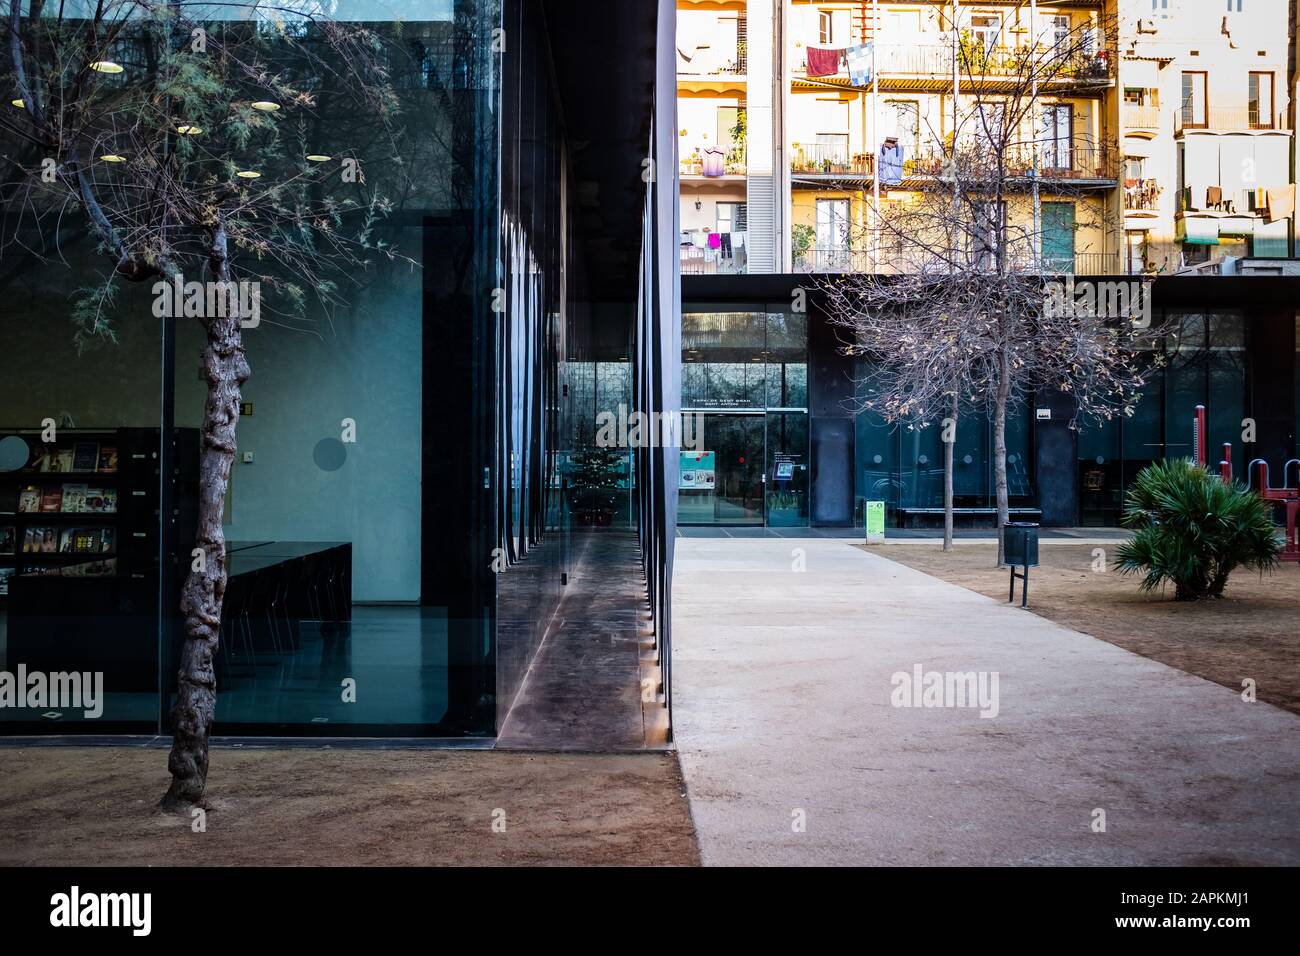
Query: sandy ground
{"points": [[96, 806], [1253, 632]]}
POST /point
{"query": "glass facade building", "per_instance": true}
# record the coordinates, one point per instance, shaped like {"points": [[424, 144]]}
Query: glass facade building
{"points": [[1234, 348], [403, 505]]}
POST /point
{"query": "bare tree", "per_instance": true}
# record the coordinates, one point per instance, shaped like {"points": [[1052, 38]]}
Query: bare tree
{"points": [[955, 312], [187, 146]]}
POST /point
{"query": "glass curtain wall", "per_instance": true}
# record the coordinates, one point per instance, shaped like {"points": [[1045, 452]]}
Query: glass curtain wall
{"points": [[1206, 363], [903, 466], [745, 380], [327, 627]]}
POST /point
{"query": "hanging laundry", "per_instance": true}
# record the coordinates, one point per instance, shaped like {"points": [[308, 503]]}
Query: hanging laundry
{"points": [[715, 240], [823, 61], [724, 240], [858, 60], [891, 162], [715, 161], [1281, 203]]}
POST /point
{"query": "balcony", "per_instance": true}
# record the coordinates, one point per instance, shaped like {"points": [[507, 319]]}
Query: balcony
{"points": [[1228, 119], [697, 167], [823, 161], [701, 260], [922, 67], [1142, 197], [1083, 165], [1139, 118], [1095, 264], [713, 72], [832, 260]]}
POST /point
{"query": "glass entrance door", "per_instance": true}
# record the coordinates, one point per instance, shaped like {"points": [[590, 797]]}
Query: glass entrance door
{"points": [[723, 482]]}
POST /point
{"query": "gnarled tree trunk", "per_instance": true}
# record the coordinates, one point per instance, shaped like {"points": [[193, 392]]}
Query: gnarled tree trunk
{"points": [[226, 370]]}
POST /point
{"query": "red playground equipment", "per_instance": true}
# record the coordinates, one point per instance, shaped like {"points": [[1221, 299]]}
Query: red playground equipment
{"points": [[1287, 496]]}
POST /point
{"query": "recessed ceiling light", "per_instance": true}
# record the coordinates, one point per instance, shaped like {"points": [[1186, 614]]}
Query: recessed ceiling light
{"points": [[186, 130], [113, 158], [248, 174], [17, 103], [106, 66], [318, 158], [266, 106]]}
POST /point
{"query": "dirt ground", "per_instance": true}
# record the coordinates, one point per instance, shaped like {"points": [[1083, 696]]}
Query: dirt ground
{"points": [[97, 806], [1254, 631]]}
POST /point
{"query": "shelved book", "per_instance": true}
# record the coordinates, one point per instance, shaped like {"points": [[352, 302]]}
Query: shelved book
{"points": [[104, 567], [85, 456], [29, 499], [86, 541], [8, 539], [5, 575], [40, 541], [107, 459], [52, 500]]}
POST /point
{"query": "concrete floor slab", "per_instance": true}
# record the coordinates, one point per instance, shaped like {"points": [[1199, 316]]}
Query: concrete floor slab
{"points": [[782, 711]]}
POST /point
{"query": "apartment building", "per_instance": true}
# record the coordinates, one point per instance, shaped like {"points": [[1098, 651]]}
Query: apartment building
{"points": [[1207, 132]]}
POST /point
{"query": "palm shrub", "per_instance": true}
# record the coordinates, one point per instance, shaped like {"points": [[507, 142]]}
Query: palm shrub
{"points": [[1194, 530]]}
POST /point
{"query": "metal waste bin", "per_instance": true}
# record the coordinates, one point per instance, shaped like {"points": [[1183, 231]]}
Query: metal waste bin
{"points": [[1020, 544]]}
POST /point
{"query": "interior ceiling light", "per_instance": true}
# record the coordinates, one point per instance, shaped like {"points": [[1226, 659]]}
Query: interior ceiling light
{"points": [[18, 103], [187, 130], [318, 158], [113, 158], [248, 174], [106, 66], [266, 106]]}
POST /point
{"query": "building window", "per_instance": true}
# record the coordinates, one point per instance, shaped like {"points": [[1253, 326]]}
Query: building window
{"points": [[1193, 101], [1259, 101], [825, 27], [732, 217], [1234, 6], [986, 29], [1134, 168]]}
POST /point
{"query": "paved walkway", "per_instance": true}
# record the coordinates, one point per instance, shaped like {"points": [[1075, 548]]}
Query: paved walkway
{"points": [[782, 687], [592, 684]]}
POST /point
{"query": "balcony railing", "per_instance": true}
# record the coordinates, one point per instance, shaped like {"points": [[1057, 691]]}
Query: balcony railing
{"points": [[832, 260], [1227, 118], [1056, 161], [704, 65], [1141, 116], [859, 260], [704, 261], [1142, 195], [830, 159]]}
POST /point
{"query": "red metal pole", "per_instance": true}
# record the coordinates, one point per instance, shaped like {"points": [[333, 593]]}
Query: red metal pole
{"points": [[1198, 436]]}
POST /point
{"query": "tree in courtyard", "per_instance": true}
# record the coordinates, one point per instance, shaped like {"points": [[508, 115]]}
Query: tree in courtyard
{"points": [[955, 312], [183, 135]]}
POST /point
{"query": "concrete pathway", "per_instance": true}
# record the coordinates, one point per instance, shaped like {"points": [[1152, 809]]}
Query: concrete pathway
{"points": [[782, 714]]}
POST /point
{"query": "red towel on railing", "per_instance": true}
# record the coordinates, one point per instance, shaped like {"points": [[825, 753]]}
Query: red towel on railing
{"points": [[823, 62]]}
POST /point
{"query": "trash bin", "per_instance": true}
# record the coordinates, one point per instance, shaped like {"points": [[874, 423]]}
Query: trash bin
{"points": [[1020, 544]]}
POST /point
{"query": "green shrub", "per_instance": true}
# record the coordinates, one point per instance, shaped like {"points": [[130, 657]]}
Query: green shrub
{"points": [[1193, 530]]}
